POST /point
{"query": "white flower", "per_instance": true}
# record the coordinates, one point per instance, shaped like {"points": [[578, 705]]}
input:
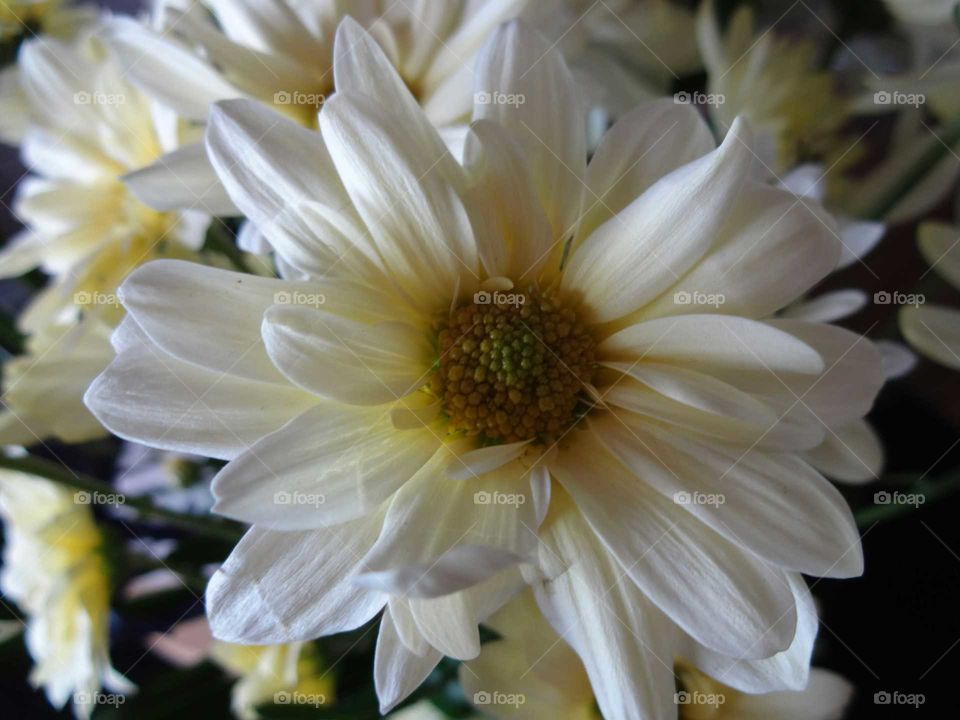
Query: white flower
{"points": [[54, 569], [531, 672], [282, 54], [472, 346], [934, 330], [88, 128]]}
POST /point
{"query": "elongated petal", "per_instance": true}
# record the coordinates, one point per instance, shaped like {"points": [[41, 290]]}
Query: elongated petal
{"points": [[772, 504], [329, 465], [338, 358], [397, 670], [720, 594], [852, 454], [626, 645], [279, 587], [179, 180], [521, 83], [650, 244], [153, 398]]}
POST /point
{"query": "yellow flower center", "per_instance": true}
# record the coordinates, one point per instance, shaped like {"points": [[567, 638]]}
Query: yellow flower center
{"points": [[513, 366]]}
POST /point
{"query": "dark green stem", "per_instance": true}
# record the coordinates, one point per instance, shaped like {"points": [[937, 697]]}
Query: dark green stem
{"points": [[209, 526]]}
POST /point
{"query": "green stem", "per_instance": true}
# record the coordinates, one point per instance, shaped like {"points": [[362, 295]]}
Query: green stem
{"points": [[219, 240], [950, 135], [929, 490], [211, 527]]}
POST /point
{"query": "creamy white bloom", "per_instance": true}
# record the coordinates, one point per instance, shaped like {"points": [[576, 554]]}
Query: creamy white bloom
{"points": [[477, 351], [87, 128], [55, 570], [531, 672], [281, 53], [934, 330]]}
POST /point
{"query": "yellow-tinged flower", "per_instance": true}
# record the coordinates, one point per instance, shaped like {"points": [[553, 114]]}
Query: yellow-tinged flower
{"points": [[775, 83], [521, 367], [290, 674], [88, 128], [54, 568]]}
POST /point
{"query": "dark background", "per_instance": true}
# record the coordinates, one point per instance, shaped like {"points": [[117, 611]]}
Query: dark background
{"points": [[896, 629]]}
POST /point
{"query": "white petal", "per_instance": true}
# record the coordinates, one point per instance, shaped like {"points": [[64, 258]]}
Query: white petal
{"points": [[712, 342], [344, 360], [934, 331], [203, 315], [167, 69], [153, 398], [858, 238], [772, 504], [279, 587], [852, 453], [824, 698], [771, 250], [398, 671], [329, 465], [787, 670], [180, 180], [650, 244], [523, 83], [626, 645], [724, 597], [441, 536], [939, 244], [829, 307], [898, 360], [408, 198], [648, 142], [474, 463]]}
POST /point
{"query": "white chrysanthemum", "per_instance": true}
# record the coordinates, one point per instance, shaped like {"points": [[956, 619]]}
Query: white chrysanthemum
{"points": [[934, 330], [531, 672], [281, 53], [54, 569], [88, 128], [474, 345]]}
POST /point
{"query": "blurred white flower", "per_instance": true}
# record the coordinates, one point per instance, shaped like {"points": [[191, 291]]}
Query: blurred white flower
{"points": [[54, 569], [479, 349], [88, 127]]}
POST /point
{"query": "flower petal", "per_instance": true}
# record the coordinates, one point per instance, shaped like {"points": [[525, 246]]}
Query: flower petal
{"points": [[329, 465], [181, 179], [651, 243], [345, 360], [279, 587]]}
